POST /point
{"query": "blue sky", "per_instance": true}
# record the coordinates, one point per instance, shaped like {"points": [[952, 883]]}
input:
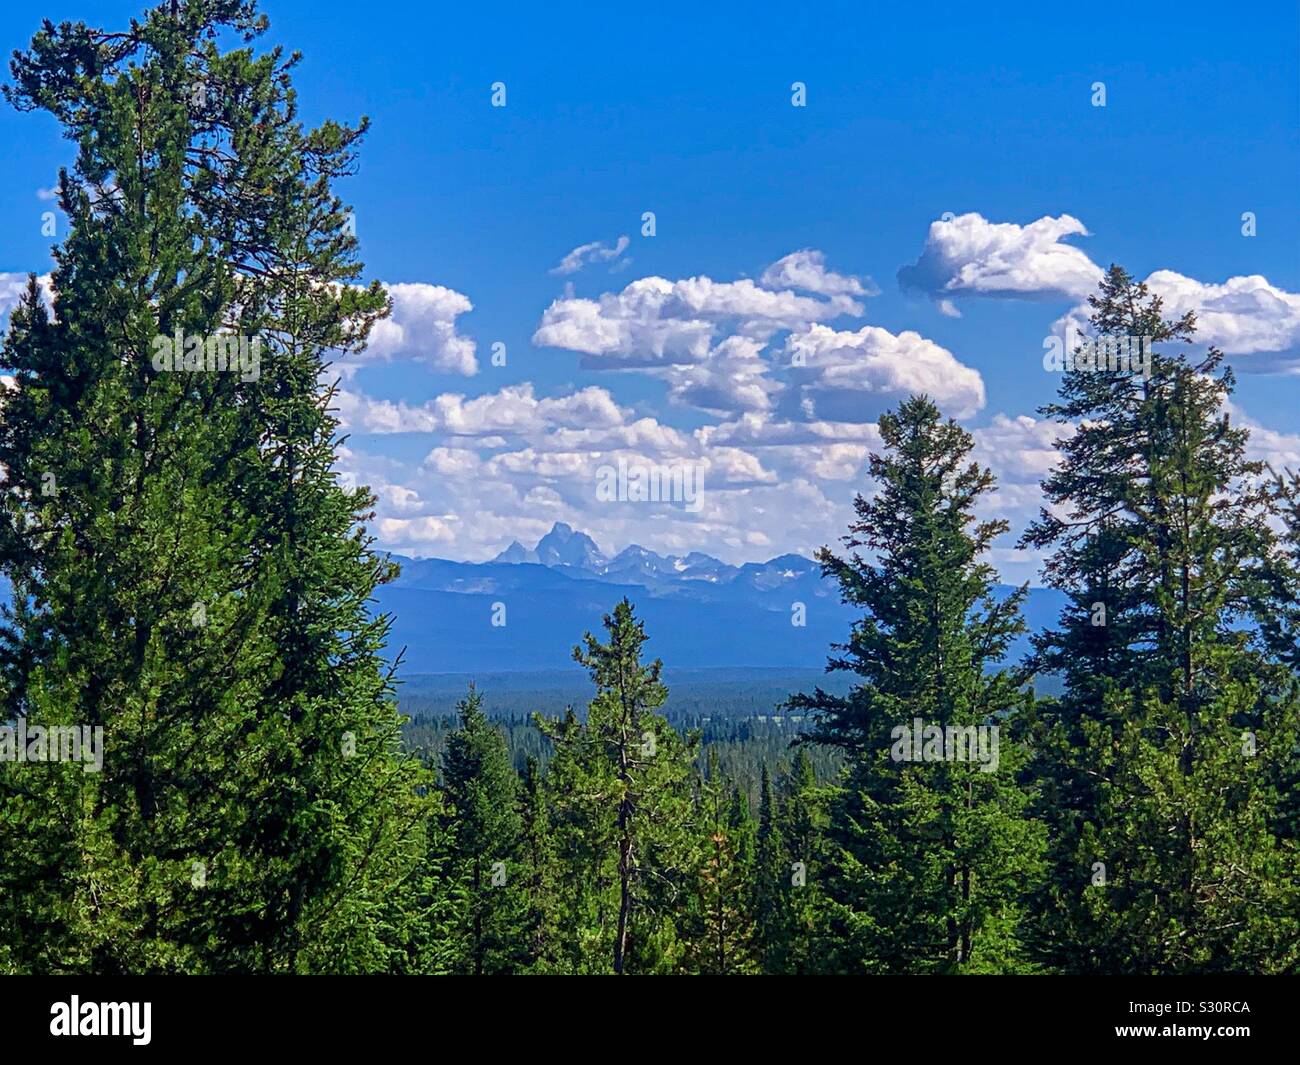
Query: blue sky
{"points": [[912, 111]]}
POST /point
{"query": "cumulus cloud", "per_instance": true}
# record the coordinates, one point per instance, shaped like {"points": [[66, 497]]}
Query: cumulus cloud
{"points": [[712, 342], [646, 435], [423, 328], [1021, 449], [835, 462], [756, 430], [514, 409], [806, 270], [1243, 316], [415, 533], [852, 376], [596, 251], [970, 256], [733, 378], [654, 321]]}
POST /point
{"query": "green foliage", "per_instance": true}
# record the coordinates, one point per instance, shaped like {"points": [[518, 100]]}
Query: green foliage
{"points": [[187, 572], [721, 925], [620, 790], [190, 576], [927, 857], [485, 829], [1164, 766]]}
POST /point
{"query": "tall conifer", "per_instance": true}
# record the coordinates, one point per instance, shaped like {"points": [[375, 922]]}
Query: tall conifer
{"points": [[188, 574], [1160, 765], [930, 851], [620, 791], [482, 791]]}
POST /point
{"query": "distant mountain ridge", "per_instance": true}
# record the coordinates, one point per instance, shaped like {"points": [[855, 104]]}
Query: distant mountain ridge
{"points": [[699, 612], [563, 546]]}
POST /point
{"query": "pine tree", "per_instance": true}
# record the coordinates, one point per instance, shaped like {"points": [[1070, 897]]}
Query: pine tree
{"points": [[439, 900], [772, 918], [722, 932], [743, 832], [1160, 764], [187, 572], [482, 791], [802, 817], [1278, 611], [538, 859], [619, 785], [931, 849], [1278, 614]]}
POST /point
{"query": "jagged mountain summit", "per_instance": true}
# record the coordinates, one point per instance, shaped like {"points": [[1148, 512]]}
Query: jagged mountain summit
{"points": [[562, 546], [699, 611], [565, 547]]}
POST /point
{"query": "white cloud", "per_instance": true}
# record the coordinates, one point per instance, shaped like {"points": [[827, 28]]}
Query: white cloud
{"points": [[733, 378], [835, 462], [971, 256], [709, 340], [513, 409], [757, 430], [596, 251], [453, 461], [1021, 449], [806, 270], [1243, 316], [415, 533], [657, 322], [645, 435], [422, 327], [358, 412], [836, 370]]}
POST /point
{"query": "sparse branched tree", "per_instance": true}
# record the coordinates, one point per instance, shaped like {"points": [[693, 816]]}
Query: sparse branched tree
{"points": [[620, 790]]}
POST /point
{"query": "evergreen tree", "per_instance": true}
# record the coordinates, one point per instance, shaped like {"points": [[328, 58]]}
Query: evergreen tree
{"points": [[743, 832], [722, 936], [440, 899], [1160, 765], [482, 789], [802, 823], [930, 848], [619, 786], [1278, 611], [772, 918], [187, 573], [537, 856]]}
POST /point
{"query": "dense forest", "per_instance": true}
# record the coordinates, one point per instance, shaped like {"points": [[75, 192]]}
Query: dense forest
{"points": [[189, 575]]}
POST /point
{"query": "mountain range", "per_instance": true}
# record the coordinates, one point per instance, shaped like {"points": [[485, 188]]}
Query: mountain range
{"points": [[526, 608]]}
